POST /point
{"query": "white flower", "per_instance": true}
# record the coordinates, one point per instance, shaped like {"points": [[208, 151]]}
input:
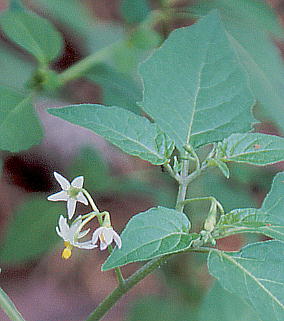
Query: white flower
{"points": [[106, 236], [70, 192], [71, 235]]}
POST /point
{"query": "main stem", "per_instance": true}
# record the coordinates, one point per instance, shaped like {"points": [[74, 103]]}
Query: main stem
{"points": [[149, 267], [8, 306]]}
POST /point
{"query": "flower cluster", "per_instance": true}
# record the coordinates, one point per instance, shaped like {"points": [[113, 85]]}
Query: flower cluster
{"points": [[71, 234]]}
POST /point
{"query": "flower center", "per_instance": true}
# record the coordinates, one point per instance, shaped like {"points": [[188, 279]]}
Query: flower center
{"points": [[67, 252], [73, 192]]}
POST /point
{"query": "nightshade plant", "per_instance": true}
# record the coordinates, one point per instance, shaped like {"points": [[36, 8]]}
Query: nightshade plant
{"points": [[197, 92]]}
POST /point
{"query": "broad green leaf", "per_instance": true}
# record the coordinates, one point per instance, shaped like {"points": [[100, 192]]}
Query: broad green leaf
{"points": [[255, 275], [256, 14], [264, 64], [134, 11], [253, 148], [15, 72], [249, 24], [268, 220], [194, 86], [150, 234], [19, 125], [154, 308], [119, 89], [135, 135], [220, 305], [72, 13], [33, 33], [273, 204], [31, 231]]}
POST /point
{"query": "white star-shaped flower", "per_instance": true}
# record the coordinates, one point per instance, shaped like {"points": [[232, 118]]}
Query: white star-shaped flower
{"points": [[71, 192], [106, 236], [71, 234]]}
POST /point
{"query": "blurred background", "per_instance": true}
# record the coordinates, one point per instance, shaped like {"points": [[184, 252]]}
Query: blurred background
{"points": [[43, 286]]}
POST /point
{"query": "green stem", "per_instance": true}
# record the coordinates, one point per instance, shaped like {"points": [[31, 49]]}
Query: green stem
{"points": [[149, 267], [99, 215], [183, 183], [129, 283], [93, 205], [84, 65], [9, 308], [174, 175]]}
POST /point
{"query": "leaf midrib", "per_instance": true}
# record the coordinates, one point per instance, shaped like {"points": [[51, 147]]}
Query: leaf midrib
{"points": [[159, 240], [153, 152], [249, 274]]}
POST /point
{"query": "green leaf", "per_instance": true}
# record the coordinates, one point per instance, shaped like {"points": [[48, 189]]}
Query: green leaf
{"points": [[268, 220], [202, 93], [249, 13], [273, 204], [221, 165], [31, 231], [19, 125], [249, 21], [72, 13], [33, 33], [150, 234], [15, 72], [134, 11], [253, 148], [135, 135], [119, 89], [220, 305], [264, 65], [255, 275]]}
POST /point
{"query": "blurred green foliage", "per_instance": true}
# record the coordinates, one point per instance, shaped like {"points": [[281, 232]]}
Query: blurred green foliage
{"points": [[31, 231]]}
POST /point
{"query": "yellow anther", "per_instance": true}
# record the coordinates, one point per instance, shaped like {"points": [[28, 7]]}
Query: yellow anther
{"points": [[67, 252]]}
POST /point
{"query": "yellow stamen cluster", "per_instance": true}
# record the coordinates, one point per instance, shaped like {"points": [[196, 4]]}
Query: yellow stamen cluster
{"points": [[67, 252]]}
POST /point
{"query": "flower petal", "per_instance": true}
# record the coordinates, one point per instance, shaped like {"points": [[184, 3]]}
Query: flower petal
{"points": [[84, 233], [117, 239], [81, 198], [60, 196], [71, 205], [85, 245], [103, 246], [108, 235], [65, 185], [58, 232], [96, 234], [74, 229], [63, 228], [78, 182]]}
